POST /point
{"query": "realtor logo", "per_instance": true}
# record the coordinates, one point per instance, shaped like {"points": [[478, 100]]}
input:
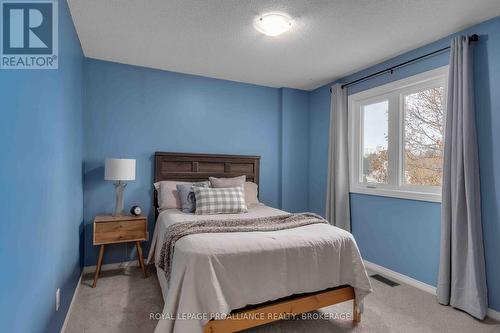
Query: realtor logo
{"points": [[29, 35]]}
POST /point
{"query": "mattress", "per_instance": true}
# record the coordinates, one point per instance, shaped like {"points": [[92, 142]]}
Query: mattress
{"points": [[213, 274], [170, 216]]}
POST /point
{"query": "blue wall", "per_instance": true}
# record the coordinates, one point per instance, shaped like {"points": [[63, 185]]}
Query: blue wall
{"points": [[41, 180], [400, 234], [295, 147], [132, 112], [403, 235], [319, 124]]}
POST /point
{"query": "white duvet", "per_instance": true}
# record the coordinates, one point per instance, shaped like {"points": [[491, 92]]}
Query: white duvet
{"points": [[221, 272]]}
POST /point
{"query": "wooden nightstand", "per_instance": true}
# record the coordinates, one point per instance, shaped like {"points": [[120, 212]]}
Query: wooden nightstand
{"points": [[119, 229]]}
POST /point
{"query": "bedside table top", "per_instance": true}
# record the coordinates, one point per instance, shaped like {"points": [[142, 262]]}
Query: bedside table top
{"points": [[111, 218]]}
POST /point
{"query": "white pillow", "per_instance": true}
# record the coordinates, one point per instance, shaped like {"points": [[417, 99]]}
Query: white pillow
{"points": [[168, 197], [251, 191]]}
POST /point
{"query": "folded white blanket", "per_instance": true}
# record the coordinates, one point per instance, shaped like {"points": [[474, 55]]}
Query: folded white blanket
{"points": [[220, 272]]}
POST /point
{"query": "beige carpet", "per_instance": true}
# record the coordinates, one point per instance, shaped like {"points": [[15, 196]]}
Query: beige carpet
{"points": [[123, 301]]}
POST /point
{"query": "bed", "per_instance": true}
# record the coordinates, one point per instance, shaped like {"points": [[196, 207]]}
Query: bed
{"points": [[254, 277]]}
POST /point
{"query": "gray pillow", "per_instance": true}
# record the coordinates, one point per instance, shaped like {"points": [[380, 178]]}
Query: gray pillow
{"points": [[186, 195], [227, 182]]}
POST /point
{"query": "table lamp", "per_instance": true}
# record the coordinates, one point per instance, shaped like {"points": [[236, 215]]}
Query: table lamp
{"points": [[119, 170]]}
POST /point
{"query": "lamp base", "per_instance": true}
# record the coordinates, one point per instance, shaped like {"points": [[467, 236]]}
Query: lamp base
{"points": [[119, 188]]}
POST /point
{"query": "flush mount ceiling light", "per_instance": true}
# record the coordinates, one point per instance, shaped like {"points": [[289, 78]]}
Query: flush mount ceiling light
{"points": [[273, 24]]}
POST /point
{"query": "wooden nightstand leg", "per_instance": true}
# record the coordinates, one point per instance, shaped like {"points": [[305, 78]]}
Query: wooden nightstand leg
{"points": [[141, 258], [98, 267], [356, 312]]}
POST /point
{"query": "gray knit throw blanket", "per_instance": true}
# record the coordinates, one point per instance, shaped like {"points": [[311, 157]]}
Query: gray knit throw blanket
{"points": [[268, 223]]}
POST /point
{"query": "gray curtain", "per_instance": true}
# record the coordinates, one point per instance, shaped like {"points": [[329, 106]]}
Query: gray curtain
{"points": [[337, 194], [462, 277]]}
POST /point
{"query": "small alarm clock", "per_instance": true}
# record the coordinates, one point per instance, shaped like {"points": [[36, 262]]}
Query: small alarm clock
{"points": [[136, 210]]}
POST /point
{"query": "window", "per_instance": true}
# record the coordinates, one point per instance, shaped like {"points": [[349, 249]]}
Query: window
{"points": [[396, 141], [375, 166]]}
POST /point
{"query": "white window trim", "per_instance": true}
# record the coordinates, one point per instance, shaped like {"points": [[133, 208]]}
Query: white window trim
{"points": [[394, 90]]}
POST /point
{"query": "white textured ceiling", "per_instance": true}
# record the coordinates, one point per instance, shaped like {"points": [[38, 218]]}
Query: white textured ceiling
{"points": [[216, 38]]}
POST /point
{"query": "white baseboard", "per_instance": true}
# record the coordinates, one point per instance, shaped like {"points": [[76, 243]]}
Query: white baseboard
{"points": [[400, 277], [493, 314], [63, 328], [109, 267]]}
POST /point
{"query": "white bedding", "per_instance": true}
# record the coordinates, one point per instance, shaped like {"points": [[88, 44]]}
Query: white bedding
{"points": [[220, 272]]}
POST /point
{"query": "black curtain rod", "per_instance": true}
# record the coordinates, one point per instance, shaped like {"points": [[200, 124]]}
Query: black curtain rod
{"points": [[472, 38]]}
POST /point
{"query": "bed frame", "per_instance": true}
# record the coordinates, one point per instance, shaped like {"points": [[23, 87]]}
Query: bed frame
{"points": [[198, 167]]}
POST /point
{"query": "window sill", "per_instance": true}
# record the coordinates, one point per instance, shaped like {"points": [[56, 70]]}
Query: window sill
{"points": [[397, 193]]}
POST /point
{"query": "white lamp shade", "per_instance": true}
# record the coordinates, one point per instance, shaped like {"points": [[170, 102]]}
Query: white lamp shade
{"points": [[119, 169]]}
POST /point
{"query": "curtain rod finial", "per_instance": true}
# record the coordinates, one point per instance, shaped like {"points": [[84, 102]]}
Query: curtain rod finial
{"points": [[474, 38]]}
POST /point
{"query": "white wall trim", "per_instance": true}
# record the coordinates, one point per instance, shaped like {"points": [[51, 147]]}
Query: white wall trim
{"points": [[493, 314], [400, 277], [395, 193], [66, 319], [117, 265]]}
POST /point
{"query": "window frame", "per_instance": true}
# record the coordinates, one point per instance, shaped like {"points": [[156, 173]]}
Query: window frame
{"points": [[394, 93]]}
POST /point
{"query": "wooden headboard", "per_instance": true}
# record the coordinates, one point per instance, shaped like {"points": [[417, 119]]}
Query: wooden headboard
{"points": [[198, 167]]}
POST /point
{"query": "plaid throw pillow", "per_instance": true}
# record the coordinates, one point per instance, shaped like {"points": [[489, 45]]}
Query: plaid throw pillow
{"points": [[229, 200]]}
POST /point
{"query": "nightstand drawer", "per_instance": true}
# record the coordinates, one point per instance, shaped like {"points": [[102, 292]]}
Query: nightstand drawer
{"points": [[119, 231]]}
